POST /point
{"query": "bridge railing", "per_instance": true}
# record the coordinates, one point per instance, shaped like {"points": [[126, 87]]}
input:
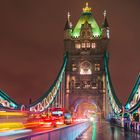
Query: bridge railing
{"points": [[128, 125], [132, 126], [66, 133]]}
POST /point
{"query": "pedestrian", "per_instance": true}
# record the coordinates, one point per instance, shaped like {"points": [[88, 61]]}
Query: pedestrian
{"points": [[131, 126], [136, 125], [125, 125]]}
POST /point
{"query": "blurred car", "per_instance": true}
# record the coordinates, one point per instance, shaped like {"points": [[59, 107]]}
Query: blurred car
{"points": [[11, 121], [49, 122], [11, 126], [67, 118], [34, 122]]}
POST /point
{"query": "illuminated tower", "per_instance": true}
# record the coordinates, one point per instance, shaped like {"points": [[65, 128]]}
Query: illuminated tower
{"points": [[86, 45]]}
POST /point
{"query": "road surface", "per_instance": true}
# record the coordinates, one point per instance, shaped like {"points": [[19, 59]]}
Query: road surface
{"points": [[106, 131]]}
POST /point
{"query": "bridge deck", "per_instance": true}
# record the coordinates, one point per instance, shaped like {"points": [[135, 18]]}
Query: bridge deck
{"points": [[97, 131], [105, 131]]}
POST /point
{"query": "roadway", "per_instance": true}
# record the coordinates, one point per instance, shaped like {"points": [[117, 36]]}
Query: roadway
{"points": [[106, 131], [27, 132], [97, 131]]}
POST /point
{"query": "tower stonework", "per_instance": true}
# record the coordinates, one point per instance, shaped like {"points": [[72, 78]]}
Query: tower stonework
{"points": [[86, 45]]}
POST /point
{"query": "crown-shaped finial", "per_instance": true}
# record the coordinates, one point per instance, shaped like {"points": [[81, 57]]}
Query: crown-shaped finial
{"points": [[86, 9]]}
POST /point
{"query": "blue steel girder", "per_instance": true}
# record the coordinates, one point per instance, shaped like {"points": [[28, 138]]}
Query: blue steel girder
{"points": [[134, 108], [134, 97], [114, 101], [47, 99], [10, 103]]}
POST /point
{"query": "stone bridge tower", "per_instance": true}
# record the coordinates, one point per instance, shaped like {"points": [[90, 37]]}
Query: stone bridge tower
{"points": [[86, 44]]}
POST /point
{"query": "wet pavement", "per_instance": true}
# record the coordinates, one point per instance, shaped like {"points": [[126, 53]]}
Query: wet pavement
{"points": [[106, 131]]}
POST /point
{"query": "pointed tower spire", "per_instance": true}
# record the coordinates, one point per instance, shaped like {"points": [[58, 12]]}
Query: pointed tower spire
{"points": [[68, 24], [105, 27], [68, 27], [68, 16], [104, 13], [105, 22]]}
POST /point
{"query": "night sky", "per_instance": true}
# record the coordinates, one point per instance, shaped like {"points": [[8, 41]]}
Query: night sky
{"points": [[31, 43]]}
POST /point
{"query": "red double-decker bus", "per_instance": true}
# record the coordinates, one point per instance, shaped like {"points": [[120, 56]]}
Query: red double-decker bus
{"points": [[57, 114]]}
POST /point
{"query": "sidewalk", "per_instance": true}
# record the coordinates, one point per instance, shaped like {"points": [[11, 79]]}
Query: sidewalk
{"points": [[127, 127]]}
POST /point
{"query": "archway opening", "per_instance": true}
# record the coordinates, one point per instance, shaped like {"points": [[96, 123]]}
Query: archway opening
{"points": [[88, 109]]}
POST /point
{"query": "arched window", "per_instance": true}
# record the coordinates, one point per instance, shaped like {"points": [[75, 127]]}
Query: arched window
{"points": [[85, 68]]}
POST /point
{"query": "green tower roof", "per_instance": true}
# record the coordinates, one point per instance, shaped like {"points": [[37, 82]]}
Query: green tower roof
{"points": [[86, 17]]}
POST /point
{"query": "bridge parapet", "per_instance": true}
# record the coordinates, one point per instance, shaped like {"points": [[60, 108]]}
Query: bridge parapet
{"points": [[66, 133]]}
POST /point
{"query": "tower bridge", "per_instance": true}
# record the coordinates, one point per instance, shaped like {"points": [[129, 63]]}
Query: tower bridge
{"points": [[83, 83]]}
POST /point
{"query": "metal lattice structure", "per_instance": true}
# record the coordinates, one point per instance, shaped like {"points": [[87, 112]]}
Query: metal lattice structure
{"points": [[54, 97], [7, 102], [113, 100], [133, 103]]}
